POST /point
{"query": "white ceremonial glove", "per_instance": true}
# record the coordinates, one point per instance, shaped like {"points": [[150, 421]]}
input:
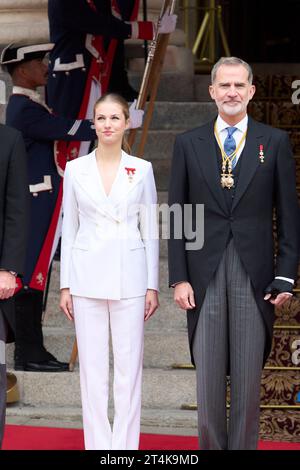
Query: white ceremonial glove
{"points": [[135, 116], [167, 24]]}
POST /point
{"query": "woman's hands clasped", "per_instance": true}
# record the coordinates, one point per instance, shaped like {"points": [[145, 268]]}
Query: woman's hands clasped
{"points": [[151, 303]]}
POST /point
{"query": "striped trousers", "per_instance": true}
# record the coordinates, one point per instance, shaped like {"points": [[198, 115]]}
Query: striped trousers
{"points": [[230, 333]]}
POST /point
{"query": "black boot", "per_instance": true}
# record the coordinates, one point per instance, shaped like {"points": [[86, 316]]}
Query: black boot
{"points": [[30, 353]]}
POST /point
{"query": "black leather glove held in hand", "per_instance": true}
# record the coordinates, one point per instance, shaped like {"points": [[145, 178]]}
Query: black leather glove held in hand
{"points": [[277, 287]]}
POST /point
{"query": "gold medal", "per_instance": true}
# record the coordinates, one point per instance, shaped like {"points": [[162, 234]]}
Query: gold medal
{"points": [[227, 180]]}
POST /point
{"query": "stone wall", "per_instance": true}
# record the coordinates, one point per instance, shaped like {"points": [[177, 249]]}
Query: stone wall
{"points": [[23, 20]]}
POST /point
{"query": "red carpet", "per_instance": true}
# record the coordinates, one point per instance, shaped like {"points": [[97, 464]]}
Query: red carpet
{"points": [[41, 438]]}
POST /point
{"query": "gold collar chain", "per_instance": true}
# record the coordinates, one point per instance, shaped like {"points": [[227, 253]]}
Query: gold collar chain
{"points": [[228, 158], [227, 178]]}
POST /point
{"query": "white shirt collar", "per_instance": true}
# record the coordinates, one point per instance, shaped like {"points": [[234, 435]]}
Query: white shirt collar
{"points": [[32, 94], [241, 126]]}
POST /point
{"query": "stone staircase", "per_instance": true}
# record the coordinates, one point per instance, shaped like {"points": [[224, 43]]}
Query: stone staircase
{"points": [[183, 103]]}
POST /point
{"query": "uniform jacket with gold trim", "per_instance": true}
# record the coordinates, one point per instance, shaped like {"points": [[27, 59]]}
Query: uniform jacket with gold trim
{"points": [[72, 27], [39, 129]]}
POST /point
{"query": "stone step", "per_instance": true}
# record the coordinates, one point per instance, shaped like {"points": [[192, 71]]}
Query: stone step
{"points": [[172, 87], [277, 425], [162, 388], [163, 347], [181, 116], [201, 84], [167, 316], [159, 145], [159, 150], [166, 341], [175, 421], [162, 169], [167, 123], [162, 197], [178, 87]]}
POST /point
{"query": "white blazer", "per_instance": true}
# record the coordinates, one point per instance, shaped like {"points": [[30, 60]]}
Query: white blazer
{"points": [[110, 245]]}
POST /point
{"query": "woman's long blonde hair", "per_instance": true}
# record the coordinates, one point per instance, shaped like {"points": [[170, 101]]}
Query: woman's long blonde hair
{"points": [[115, 98]]}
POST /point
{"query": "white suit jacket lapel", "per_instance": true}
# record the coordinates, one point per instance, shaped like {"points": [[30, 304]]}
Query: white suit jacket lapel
{"points": [[129, 175], [90, 182]]}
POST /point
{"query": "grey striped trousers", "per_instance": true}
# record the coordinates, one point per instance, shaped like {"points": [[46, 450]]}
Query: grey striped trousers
{"points": [[230, 330]]}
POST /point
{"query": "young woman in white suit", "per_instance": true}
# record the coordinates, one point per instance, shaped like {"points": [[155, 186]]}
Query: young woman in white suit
{"points": [[109, 274]]}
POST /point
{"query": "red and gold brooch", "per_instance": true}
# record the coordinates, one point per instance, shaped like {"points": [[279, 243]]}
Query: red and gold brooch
{"points": [[130, 173]]}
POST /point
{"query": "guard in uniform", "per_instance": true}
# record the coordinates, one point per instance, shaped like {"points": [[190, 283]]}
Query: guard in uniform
{"points": [[87, 56], [27, 112], [126, 10], [84, 32]]}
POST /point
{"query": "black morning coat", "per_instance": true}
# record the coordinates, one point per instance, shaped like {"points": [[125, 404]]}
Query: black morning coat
{"points": [[262, 186], [14, 211]]}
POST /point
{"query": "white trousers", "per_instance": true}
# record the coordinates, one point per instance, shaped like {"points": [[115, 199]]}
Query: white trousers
{"points": [[125, 319]]}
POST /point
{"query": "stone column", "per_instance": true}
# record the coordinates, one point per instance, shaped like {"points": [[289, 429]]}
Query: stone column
{"points": [[23, 20]]}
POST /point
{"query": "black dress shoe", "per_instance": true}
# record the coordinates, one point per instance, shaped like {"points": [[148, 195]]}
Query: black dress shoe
{"points": [[62, 365], [45, 366]]}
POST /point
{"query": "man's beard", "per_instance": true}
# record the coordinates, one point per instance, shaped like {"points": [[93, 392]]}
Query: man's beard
{"points": [[233, 110]]}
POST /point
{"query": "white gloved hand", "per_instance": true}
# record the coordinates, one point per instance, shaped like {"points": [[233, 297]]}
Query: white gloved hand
{"points": [[135, 116], [167, 24]]}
